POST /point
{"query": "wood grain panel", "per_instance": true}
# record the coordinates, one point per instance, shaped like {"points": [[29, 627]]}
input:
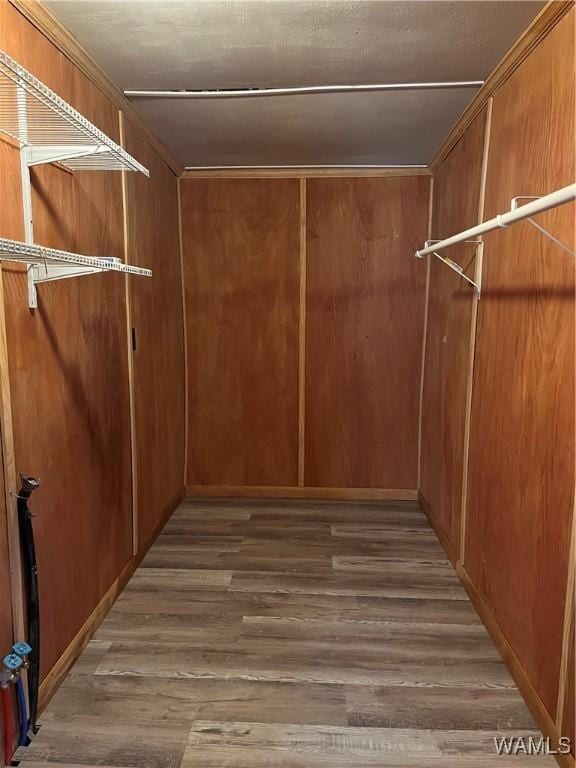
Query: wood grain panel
{"points": [[241, 254], [521, 474], [364, 325], [68, 368], [157, 318], [447, 361], [10, 226], [6, 634]]}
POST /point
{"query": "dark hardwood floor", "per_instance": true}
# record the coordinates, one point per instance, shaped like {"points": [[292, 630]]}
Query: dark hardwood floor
{"points": [[288, 635]]}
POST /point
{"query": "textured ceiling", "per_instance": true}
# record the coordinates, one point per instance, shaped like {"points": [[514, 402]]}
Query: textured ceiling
{"points": [[206, 44]]}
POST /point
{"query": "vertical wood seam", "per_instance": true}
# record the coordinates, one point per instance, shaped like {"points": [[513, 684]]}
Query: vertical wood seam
{"points": [[130, 351], [424, 332], [479, 262], [569, 610], [185, 325], [10, 479], [302, 339]]}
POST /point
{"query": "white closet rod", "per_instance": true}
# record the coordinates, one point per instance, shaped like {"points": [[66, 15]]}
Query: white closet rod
{"points": [[553, 200], [236, 93]]}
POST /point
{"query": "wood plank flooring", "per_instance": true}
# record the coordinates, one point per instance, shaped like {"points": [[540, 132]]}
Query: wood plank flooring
{"points": [[288, 635]]}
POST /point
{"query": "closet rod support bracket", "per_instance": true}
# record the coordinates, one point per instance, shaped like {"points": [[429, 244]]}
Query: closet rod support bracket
{"points": [[459, 271], [514, 205], [428, 243]]}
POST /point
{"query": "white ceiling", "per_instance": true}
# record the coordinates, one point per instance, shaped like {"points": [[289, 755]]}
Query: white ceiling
{"points": [[207, 44]]}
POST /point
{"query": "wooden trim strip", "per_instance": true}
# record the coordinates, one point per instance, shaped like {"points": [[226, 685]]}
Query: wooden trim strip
{"points": [[10, 478], [548, 17], [568, 635], [479, 263], [302, 340], [185, 321], [424, 332], [57, 674], [129, 350], [304, 173], [292, 492], [44, 20]]}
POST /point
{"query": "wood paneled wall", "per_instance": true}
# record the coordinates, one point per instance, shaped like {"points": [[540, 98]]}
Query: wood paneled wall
{"points": [[5, 585], [364, 321], [520, 465], [456, 206], [11, 225], [68, 361], [249, 247], [241, 271], [158, 322], [68, 368], [522, 439]]}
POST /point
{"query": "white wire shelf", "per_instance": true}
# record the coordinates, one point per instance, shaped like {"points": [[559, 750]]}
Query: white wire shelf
{"points": [[50, 129], [52, 264]]}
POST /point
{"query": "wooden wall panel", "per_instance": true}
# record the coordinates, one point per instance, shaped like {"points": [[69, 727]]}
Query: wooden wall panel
{"points": [[6, 634], [157, 318], [241, 251], [364, 324], [68, 368], [10, 226], [457, 189], [521, 474]]}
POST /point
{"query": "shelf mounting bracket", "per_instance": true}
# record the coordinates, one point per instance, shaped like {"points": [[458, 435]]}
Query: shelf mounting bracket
{"points": [[59, 154], [45, 273]]}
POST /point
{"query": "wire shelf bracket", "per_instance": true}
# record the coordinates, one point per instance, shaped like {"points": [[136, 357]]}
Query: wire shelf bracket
{"points": [[48, 130]]}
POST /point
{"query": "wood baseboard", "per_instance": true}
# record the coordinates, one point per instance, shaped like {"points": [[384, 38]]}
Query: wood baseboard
{"points": [[438, 530], [541, 715], [57, 674], [543, 718], [55, 677], [292, 492], [163, 519]]}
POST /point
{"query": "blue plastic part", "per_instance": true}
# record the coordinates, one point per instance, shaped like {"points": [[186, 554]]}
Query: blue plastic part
{"points": [[22, 713], [12, 662], [22, 649]]}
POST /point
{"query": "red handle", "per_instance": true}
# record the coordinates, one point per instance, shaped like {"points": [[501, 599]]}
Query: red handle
{"points": [[8, 724]]}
